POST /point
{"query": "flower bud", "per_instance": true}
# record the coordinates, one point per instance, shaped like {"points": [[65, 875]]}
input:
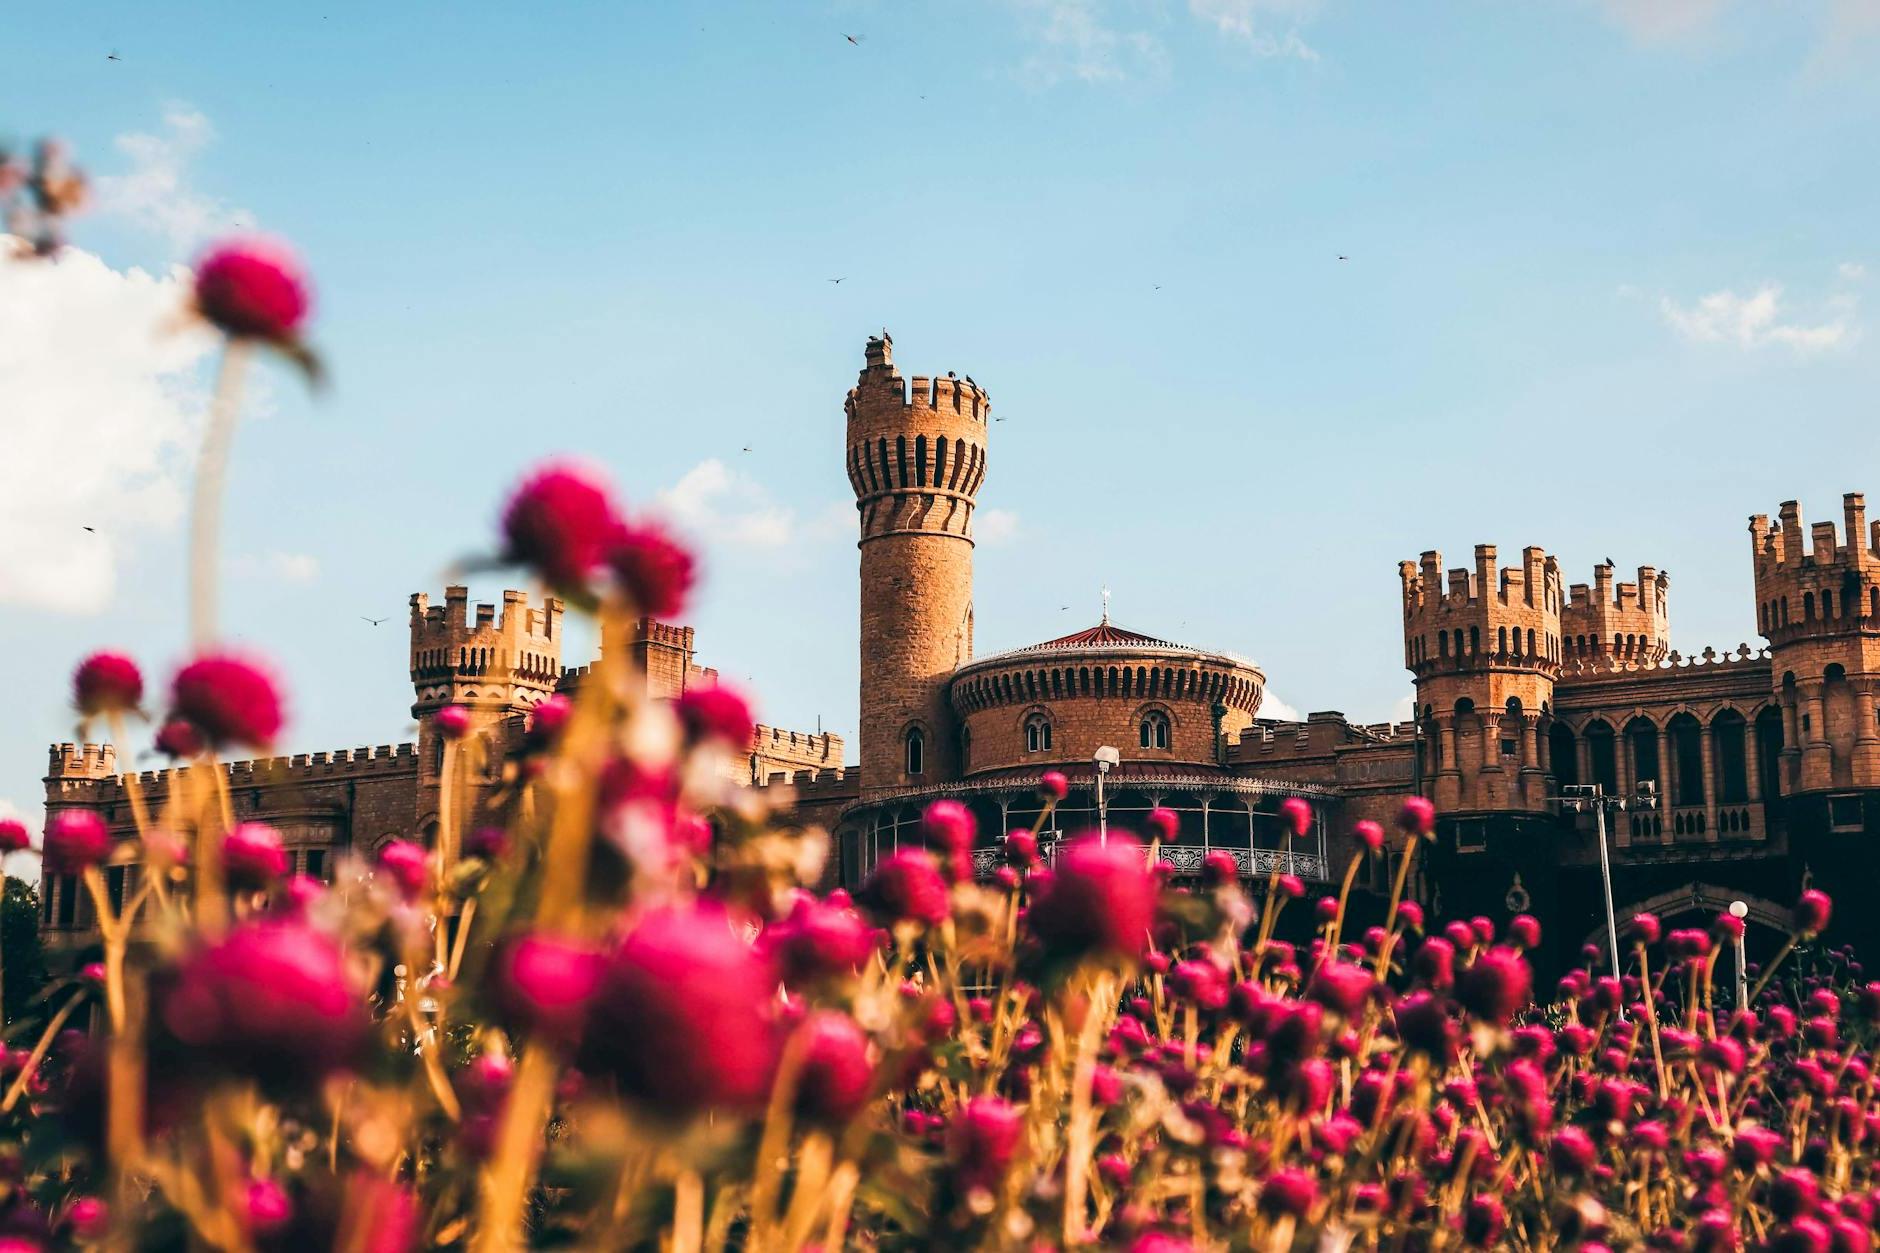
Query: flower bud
{"points": [[1417, 817], [452, 722], [228, 700], [559, 522], [408, 866], [75, 840], [1368, 833], [253, 856], [1053, 785], [1295, 816], [107, 683], [252, 289]]}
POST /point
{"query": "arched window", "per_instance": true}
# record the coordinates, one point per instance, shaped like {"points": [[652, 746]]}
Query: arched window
{"points": [[1038, 734], [1153, 731], [916, 746]]}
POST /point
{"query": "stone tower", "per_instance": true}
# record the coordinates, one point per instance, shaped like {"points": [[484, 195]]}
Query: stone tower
{"points": [[1485, 653], [916, 458], [496, 666], [1819, 605]]}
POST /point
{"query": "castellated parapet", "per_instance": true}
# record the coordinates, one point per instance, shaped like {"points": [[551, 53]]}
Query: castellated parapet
{"points": [[916, 457], [496, 662], [1818, 602], [1628, 623], [1485, 649]]}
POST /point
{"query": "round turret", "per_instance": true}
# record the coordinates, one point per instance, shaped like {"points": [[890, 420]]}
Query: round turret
{"points": [[916, 457]]}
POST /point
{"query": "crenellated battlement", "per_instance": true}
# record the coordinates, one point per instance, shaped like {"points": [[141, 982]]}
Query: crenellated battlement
{"points": [[493, 658], [89, 770], [815, 785], [1605, 665], [1826, 585], [1623, 620], [1482, 617], [800, 745], [880, 383]]}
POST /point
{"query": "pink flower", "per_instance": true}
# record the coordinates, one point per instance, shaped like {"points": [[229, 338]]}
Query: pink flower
{"points": [[88, 1217], [488, 843], [252, 288], [1572, 1152], [1202, 982], [177, 738], [654, 570], [681, 1020], [716, 712], [408, 865], [228, 700], [836, 1077], [253, 856], [546, 721], [817, 941], [1495, 985], [948, 827], [560, 522], [273, 999], [1483, 1220], [1218, 869], [1368, 833], [1342, 987], [13, 836], [267, 1207], [1163, 824], [983, 1141], [1021, 847], [75, 840], [1812, 912], [1289, 1192], [1053, 786], [906, 887], [453, 722], [1101, 901], [1417, 817], [107, 683], [544, 983], [1295, 816], [1525, 931]]}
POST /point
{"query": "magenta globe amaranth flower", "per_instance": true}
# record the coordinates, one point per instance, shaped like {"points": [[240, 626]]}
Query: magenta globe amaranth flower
{"points": [[75, 840], [266, 1207], [835, 1076], [1417, 816], [1295, 817], [681, 1021], [229, 700], [1054, 786], [107, 683], [544, 983], [906, 887], [1368, 833], [1099, 902], [817, 940], [560, 522], [654, 570], [1812, 912], [1163, 824], [253, 289], [14, 837], [453, 722], [983, 1141], [717, 713], [408, 865], [1495, 985], [253, 856], [274, 999]]}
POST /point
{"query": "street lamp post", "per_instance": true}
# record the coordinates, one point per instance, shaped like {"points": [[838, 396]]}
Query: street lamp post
{"points": [[1580, 797], [1105, 759], [1739, 910]]}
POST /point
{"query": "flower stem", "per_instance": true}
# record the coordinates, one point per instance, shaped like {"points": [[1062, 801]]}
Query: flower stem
{"points": [[1770, 970], [205, 512]]}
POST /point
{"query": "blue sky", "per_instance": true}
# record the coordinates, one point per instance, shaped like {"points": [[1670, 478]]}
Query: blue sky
{"points": [[1609, 291]]}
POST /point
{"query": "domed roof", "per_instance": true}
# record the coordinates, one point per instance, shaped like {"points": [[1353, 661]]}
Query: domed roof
{"points": [[1105, 632]]}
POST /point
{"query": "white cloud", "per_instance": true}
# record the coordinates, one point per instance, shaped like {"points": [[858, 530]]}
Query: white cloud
{"points": [[1852, 271], [278, 567], [995, 526], [101, 397], [1757, 320], [1271, 706], [1249, 21], [1077, 41], [727, 508], [1661, 21], [155, 194]]}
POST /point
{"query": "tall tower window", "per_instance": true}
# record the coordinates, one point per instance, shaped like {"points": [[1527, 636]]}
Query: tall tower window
{"points": [[916, 746], [1153, 731], [1037, 734]]}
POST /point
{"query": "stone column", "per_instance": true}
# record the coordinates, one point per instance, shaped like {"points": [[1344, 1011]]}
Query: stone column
{"points": [[1533, 778], [1866, 762], [1817, 753], [1709, 755], [1584, 750], [1791, 755], [1667, 781], [1489, 788], [1447, 790], [1752, 759]]}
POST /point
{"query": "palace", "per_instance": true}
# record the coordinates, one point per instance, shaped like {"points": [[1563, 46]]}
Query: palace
{"points": [[1738, 775]]}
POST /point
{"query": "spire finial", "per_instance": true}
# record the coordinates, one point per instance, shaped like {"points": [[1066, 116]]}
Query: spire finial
{"points": [[1106, 606]]}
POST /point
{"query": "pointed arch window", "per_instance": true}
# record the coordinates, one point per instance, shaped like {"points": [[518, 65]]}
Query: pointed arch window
{"points": [[916, 751]]}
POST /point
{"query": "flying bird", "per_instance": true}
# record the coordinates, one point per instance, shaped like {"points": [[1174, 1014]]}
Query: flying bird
{"points": [[373, 621], [92, 529], [998, 419], [838, 280], [747, 450], [112, 56], [855, 39]]}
